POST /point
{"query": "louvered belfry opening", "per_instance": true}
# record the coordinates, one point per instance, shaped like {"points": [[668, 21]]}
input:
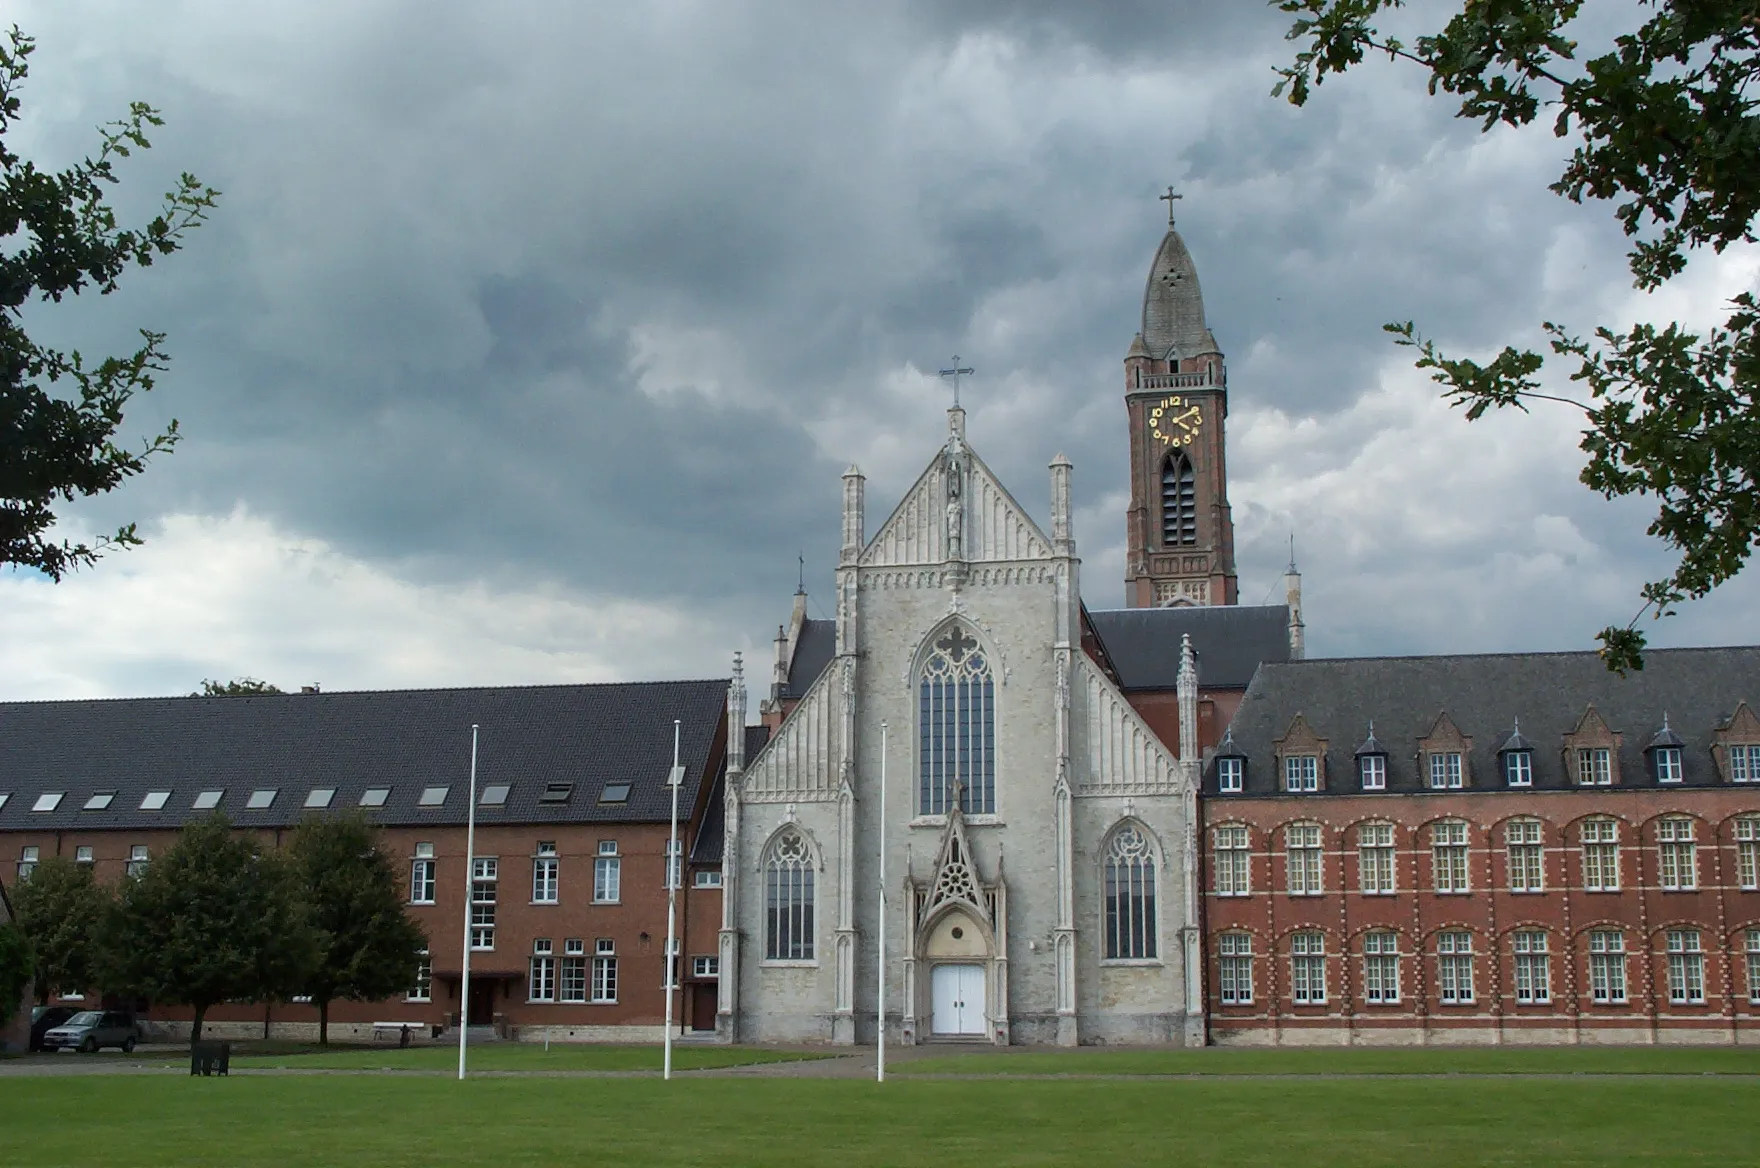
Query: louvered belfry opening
{"points": [[1179, 502]]}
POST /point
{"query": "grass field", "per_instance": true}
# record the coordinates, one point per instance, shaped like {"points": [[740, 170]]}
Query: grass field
{"points": [[498, 1056], [282, 1120], [1556, 1060]]}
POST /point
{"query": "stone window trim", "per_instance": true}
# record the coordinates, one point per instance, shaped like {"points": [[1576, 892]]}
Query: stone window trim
{"points": [[1742, 730], [1130, 918], [1437, 754], [1581, 761], [1231, 845], [1377, 858], [1304, 849], [1300, 742], [791, 849]]}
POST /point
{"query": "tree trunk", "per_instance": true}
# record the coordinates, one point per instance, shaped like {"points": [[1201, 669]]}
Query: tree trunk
{"points": [[324, 1022], [267, 1007], [195, 1030]]}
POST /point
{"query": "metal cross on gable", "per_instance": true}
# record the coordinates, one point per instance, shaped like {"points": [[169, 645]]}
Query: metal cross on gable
{"points": [[1168, 198], [954, 375], [956, 644]]}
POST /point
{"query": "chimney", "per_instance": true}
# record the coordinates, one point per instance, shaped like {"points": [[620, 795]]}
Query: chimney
{"points": [[309, 689]]}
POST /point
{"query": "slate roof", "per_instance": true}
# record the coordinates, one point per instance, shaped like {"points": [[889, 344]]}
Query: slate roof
{"points": [[404, 740], [814, 651], [1698, 690], [1143, 644]]}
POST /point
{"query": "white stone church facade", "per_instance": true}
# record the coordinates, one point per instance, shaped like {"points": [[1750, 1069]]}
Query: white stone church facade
{"points": [[1038, 838]]}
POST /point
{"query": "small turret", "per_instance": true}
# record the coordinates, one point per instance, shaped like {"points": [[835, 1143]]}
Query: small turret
{"points": [[1292, 591]]}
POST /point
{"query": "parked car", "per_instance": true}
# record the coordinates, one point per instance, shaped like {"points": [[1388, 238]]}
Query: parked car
{"points": [[89, 1030], [44, 1019]]}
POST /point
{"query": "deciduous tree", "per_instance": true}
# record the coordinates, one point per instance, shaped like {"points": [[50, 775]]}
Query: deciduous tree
{"points": [[1664, 125], [61, 908]]}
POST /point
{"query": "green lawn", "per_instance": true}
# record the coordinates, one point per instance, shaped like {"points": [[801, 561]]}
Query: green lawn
{"points": [[522, 1056], [1545, 1060], [292, 1121]]}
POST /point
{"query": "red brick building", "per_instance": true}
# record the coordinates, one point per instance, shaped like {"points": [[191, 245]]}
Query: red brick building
{"points": [[569, 913], [1511, 848]]}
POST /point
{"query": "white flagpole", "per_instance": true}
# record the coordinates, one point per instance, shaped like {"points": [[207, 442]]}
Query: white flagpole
{"points": [[672, 881], [880, 996], [470, 858]]}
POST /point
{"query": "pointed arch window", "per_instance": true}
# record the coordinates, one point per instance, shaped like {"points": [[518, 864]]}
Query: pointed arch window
{"points": [[956, 721], [1179, 501], [788, 899], [1130, 925]]}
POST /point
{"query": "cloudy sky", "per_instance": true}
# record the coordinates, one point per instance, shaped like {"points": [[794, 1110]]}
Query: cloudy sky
{"points": [[529, 340]]}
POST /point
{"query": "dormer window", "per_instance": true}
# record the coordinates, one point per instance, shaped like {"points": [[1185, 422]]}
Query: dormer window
{"points": [[1665, 751], [1517, 759], [1301, 772], [1372, 763], [1595, 767], [1445, 770], [1230, 774]]}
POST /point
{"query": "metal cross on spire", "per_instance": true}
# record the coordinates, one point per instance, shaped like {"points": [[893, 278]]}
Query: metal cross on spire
{"points": [[954, 375], [1168, 198]]}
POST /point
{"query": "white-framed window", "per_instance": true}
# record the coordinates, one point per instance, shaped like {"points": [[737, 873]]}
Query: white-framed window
{"points": [[1527, 855], [83, 854], [1381, 968], [1744, 762], [604, 970], [421, 875], [1446, 773], [485, 874], [1600, 855], [1233, 860], [1235, 953], [707, 878], [1748, 851], [546, 870], [1518, 768], [1448, 856], [541, 985], [956, 725], [1375, 859], [1668, 764], [1686, 968], [1607, 967], [422, 988], [1753, 954], [1372, 770], [155, 800], [137, 860], [1595, 767], [705, 967], [607, 874], [27, 860], [1230, 774], [674, 863], [1533, 968], [1303, 858], [1677, 855], [1454, 960], [788, 899], [574, 971], [1131, 924], [1301, 772], [1307, 968]]}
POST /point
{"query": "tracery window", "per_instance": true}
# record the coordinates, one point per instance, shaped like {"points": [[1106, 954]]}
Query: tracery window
{"points": [[1179, 501], [1130, 896], [788, 899], [957, 724]]}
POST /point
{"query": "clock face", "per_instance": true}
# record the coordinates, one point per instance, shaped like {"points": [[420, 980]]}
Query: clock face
{"points": [[1175, 421]]}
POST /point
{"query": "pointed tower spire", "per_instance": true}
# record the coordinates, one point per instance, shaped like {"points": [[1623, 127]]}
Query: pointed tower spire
{"points": [[1292, 591]]}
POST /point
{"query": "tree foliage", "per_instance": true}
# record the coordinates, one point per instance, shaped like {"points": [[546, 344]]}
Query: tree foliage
{"points": [[237, 686], [369, 946], [63, 238], [61, 909], [15, 969], [1665, 127], [214, 919]]}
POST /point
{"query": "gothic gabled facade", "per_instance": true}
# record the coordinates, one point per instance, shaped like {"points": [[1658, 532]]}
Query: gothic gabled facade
{"points": [[1038, 835]]}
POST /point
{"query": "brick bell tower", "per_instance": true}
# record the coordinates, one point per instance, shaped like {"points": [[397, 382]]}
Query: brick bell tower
{"points": [[1180, 538]]}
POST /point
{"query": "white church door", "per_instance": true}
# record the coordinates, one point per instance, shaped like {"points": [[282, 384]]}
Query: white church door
{"points": [[957, 998]]}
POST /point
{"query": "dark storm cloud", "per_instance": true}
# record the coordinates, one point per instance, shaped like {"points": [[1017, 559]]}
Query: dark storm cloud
{"points": [[570, 293]]}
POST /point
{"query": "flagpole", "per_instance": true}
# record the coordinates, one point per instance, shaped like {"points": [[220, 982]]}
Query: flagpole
{"points": [[880, 995], [470, 859], [672, 881]]}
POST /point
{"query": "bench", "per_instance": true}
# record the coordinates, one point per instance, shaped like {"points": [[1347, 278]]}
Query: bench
{"points": [[210, 1058], [399, 1030]]}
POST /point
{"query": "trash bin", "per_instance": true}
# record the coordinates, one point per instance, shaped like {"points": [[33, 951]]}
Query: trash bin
{"points": [[210, 1058]]}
